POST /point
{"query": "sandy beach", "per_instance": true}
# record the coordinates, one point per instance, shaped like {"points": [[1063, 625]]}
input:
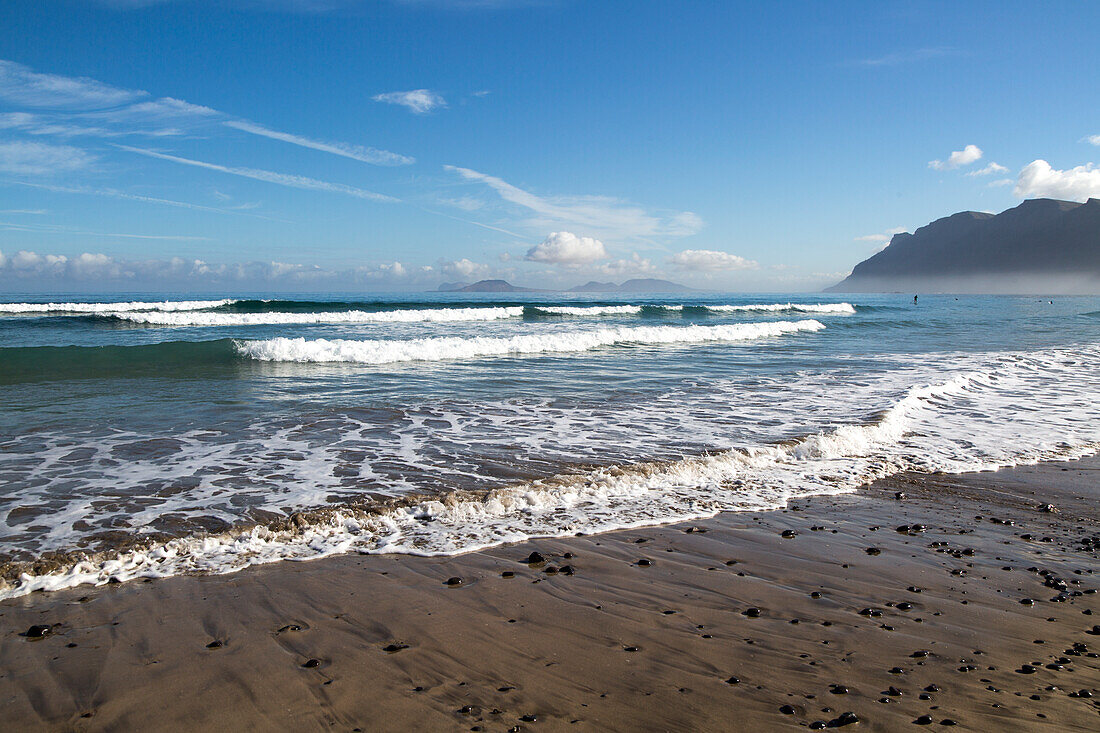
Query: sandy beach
{"points": [[983, 614]]}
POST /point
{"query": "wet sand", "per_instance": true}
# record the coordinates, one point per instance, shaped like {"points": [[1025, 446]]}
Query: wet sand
{"points": [[814, 616]]}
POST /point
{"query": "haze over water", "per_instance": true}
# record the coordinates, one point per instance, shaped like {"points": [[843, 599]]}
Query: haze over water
{"points": [[194, 424]]}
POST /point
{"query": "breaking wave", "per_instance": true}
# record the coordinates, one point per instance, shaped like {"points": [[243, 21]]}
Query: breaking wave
{"points": [[931, 427], [166, 306], [416, 315], [379, 351]]}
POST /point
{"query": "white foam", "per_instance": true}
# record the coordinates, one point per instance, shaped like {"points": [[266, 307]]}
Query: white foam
{"points": [[606, 310], [162, 306], [379, 351], [846, 308], [979, 419], [433, 315], [590, 310]]}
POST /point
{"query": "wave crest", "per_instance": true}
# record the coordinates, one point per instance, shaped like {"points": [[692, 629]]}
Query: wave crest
{"points": [[379, 351]]}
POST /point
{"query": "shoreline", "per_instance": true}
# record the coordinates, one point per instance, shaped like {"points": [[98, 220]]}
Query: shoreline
{"points": [[592, 645]]}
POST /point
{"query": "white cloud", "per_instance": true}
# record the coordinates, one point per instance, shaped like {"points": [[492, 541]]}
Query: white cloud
{"points": [[463, 268], [566, 248], [988, 170], [85, 107], [355, 152], [1092, 139], [418, 101], [607, 217], [884, 237], [707, 260], [1001, 182], [281, 179], [39, 159], [904, 57], [958, 158], [1039, 179], [633, 266], [22, 86], [466, 203]]}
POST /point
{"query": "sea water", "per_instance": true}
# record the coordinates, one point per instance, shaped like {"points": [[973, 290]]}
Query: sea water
{"points": [[151, 435]]}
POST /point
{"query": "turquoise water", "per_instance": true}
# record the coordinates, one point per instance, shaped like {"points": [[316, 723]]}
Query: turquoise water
{"points": [[199, 423]]}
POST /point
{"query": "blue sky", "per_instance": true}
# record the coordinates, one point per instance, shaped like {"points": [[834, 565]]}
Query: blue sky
{"points": [[307, 145]]}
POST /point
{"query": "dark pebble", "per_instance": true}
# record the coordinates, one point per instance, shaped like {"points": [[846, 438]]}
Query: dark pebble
{"points": [[644, 563], [788, 534], [924, 720], [507, 574], [453, 581], [848, 718], [38, 631], [948, 721], [394, 648], [786, 710], [631, 648], [818, 725], [311, 663], [838, 690], [873, 551], [751, 612], [214, 645], [733, 681], [534, 558], [528, 718]]}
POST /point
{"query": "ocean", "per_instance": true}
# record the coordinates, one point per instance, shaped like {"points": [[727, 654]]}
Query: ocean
{"points": [[150, 436]]}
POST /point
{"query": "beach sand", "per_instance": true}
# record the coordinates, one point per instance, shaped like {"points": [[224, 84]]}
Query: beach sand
{"points": [[723, 624]]}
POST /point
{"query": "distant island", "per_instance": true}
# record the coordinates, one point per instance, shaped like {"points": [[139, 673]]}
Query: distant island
{"points": [[486, 286], [1040, 246], [642, 285]]}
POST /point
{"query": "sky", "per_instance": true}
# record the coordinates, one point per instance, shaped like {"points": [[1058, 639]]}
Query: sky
{"points": [[393, 145]]}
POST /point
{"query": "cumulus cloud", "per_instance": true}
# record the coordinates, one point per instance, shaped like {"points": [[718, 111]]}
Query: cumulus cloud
{"points": [[566, 248], [988, 170], [1093, 139], [40, 159], [463, 269], [631, 266], [604, 216], [99, 271], [1039, 179], [418, 101], [957, 159], [708, 260]]}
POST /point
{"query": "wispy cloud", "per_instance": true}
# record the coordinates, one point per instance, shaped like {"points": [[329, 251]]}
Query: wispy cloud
{"points": [[355, 152], [123, 195], [883, 237], [64, 230], [1091, 139], [69, 107], [38, 159], [988, 170], [607, 217], [958, 158], [24, 87], [708, 260], [281, 179], [418, 101], [908, 57]]}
